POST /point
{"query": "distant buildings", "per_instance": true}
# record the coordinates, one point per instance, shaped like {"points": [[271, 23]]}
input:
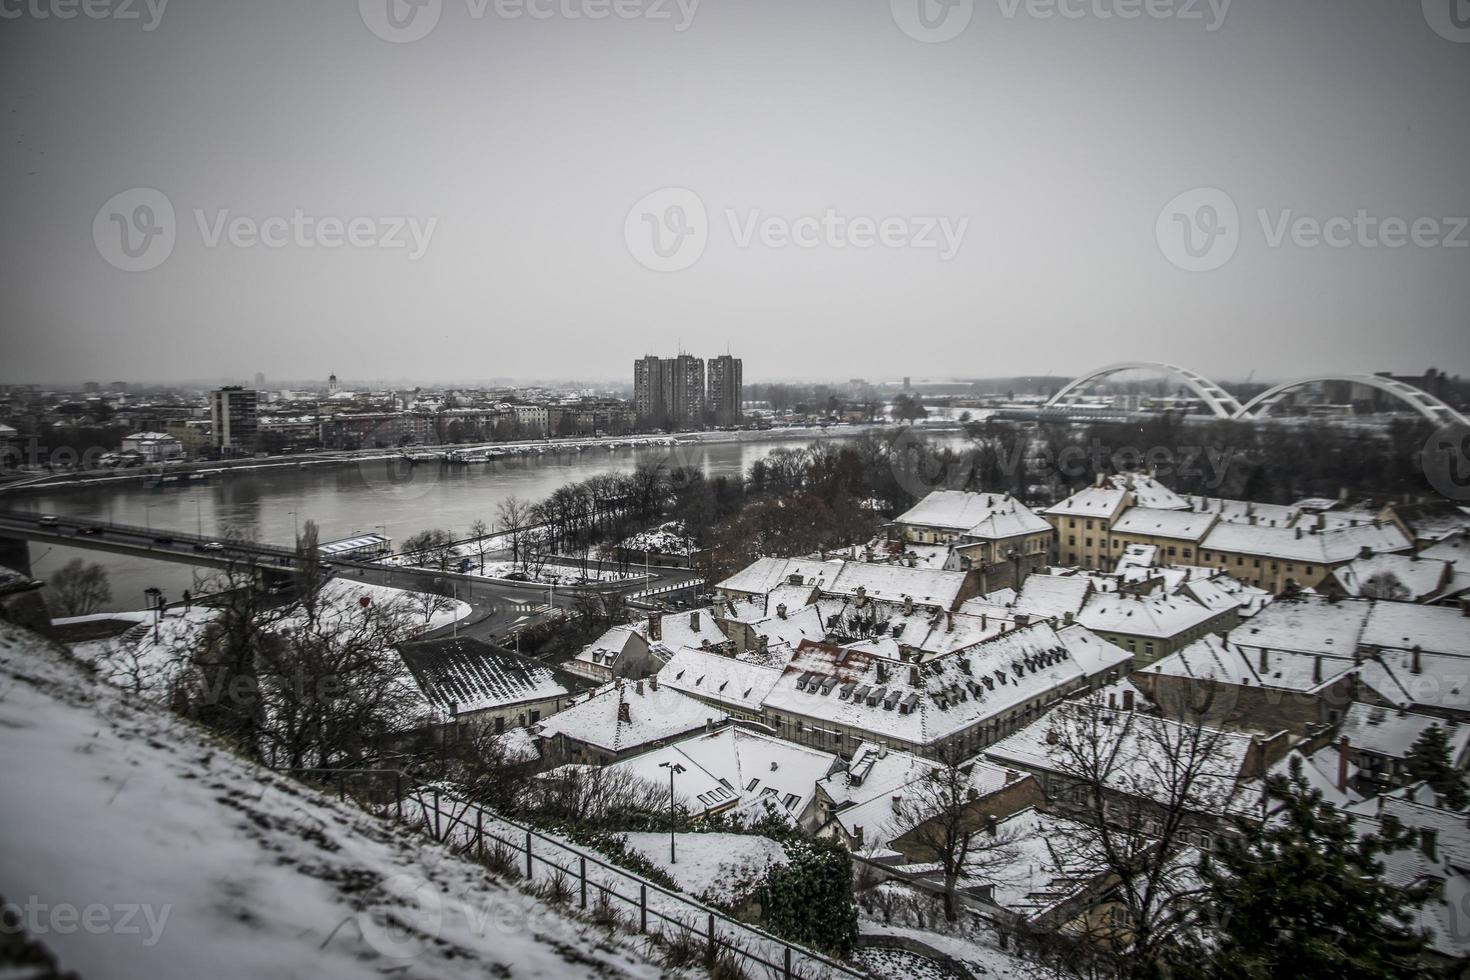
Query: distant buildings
{"points": [[726, 386], [235, 413], [672, 391]]}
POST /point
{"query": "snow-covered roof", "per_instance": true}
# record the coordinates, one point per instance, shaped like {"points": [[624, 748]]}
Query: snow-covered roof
{"points": [[1039, 870], [1309, 547], [863, 793], [1392, 732], [738, 683], [623, 716], [1136, 743], [765, 574], [1308, 624], [1052, 596], [682, 629], [1441, 683], [607, 648], [1156, 615], [922, 703], [1183, 524], [1404, 625], [988, 516], [1243, 511], [462, 674], [1100, 502], [1214, 658], [753, 769]]}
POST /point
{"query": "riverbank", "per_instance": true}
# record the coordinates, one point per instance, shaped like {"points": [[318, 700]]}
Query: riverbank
{"points": [[192, 473]]}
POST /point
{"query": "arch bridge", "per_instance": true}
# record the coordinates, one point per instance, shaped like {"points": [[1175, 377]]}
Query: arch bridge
{"points": [[1224, 405]]}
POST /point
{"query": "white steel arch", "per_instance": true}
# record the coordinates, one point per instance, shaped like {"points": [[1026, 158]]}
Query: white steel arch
{"points": [[1223, 404], [1421, 401]]}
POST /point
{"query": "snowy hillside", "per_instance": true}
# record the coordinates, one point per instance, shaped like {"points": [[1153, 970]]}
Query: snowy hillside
{"points": [[137, 849]]}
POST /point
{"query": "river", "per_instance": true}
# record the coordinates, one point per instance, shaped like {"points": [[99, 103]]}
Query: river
{"points": [[270, 504]]}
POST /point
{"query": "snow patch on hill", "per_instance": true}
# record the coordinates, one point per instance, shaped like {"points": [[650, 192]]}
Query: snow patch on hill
{"points": [[134, 847]]}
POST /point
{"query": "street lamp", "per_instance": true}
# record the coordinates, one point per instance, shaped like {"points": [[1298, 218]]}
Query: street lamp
{"points": [[198, 518], [154, 594], [672, 767], [295, 528]]}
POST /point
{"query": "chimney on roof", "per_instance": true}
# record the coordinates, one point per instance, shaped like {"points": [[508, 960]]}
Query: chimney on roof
{"points": [[913, 677], [624, 716], [948, 621], [1298, 533], [985, 620], [908, 605], [762, 642], [653, 682], [1012, 776], [1343, 750], [1416, 667], [1127, 699], [1317, 669], [694, 620], [1464, 606], [638, 689], [1265, 659], [862, 596], [1067, 618], [857, 833], [1022, 619], [655, 626], [780, 610], [1365, 552]]}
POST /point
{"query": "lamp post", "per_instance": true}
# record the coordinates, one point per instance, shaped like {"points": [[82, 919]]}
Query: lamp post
{"points": [[198, 518], [295, 528], [672, 767], [154, 594]]}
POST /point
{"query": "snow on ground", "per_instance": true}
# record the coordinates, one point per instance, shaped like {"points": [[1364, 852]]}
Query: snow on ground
{"points": [[710, 866], [142, 658], [341, 598], [666, 539], [135, 848], [978, 954], [900, 963]]}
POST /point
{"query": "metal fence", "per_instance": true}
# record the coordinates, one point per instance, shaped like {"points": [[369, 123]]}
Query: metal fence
{"points": [[590, 881]]}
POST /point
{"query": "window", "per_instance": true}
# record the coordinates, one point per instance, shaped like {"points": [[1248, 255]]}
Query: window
{"points": [[1088, 542], [1072, 540], [750, 786], [1148, 648], [1171, 551], [535, 717], [1089, 525], [1072, 522]]}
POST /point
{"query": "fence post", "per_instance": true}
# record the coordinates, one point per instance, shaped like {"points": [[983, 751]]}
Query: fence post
{"points": [[437, 835], [341, 787], [786, 970], [712, 948], [479, 832], [642, 908], [529, 866], [398, 793], [583, 862]]}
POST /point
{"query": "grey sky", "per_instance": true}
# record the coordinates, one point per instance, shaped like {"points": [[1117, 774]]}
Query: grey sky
{"points": [[528, 141]]}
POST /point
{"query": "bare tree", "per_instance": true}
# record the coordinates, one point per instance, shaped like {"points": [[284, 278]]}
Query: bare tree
{"points": [[478, 530], [511, 517], [1147, 793], [943, 824], [425, 605], [594, 794], [79, 588], [333, 686], [309, 574]]}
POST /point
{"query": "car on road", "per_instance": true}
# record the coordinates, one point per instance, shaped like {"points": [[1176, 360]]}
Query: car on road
{"points": [[49, 520], [90, 529], [209, 546], [163, 539]]}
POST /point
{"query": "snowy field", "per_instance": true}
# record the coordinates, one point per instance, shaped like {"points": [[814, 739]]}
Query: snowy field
{"points": [[134, 848], [710, 864]]}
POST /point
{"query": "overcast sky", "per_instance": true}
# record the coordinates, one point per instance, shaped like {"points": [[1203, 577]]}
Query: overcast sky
{"points": [[1004, 201]]}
